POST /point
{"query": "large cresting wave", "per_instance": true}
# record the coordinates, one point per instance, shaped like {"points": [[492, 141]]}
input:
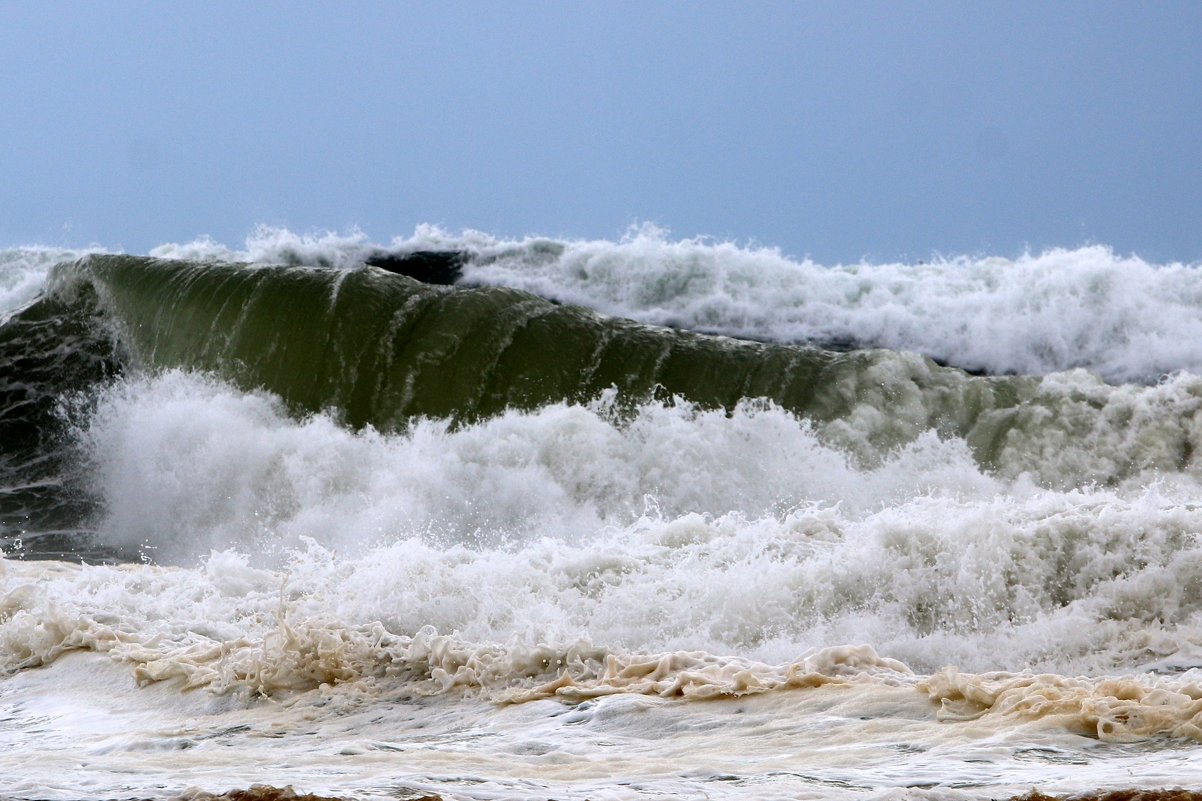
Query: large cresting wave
{"points": [[382, 349], [289, 513], [1120, 316]]}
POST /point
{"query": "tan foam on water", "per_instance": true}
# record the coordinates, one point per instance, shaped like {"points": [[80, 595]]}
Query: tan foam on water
{"points": [[304, 656], [266, 792], [701, 676], [262, 792], [1175, 794], [299, 655], [36, 631], [1112, 709], [307, 655], [272, 648]]}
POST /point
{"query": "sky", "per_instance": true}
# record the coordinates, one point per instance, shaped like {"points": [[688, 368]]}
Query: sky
{"points": [[840, 131]]}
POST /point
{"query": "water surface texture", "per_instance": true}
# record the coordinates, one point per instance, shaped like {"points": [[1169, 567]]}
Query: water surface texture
{"points": [[601, 520]]}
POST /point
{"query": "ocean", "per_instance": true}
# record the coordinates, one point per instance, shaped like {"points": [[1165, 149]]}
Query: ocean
{"points": [[477, 518]]}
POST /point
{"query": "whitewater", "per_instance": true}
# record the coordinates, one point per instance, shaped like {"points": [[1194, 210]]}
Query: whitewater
{"points": [[598, 520]]}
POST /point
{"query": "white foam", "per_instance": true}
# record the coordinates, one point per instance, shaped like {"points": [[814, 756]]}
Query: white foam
{"points": [[272, 245], [1122, 317], [682, 530], [792, 569], [23, 273], [187, 464], [360, 612]]}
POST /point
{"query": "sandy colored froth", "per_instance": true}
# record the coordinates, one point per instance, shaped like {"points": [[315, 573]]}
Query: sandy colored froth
{"points": [[261, 792], [265, 792], [1177, 794]]}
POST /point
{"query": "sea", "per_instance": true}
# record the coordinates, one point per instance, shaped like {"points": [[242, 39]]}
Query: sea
{"points": [[470, 517]]}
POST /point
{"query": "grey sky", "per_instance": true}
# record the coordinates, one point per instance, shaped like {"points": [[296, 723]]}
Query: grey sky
{"points": [[841, 130]]}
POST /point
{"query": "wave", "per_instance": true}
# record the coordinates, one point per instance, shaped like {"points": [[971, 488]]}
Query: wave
{"points": [[683, 530], [553, 619], [47, 351], [383, 350], [1118, 316], [368, 514], [374, 349]]}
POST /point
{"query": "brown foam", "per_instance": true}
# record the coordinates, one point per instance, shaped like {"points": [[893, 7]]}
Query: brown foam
{"points": [[265, 792], [1118, 795], [260, 792]]}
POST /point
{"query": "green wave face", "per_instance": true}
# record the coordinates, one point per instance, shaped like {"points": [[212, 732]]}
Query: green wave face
{"points": [[379, 349], [382, 348]]}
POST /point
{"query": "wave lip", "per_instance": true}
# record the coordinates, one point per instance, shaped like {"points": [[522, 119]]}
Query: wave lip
{"points": [[23, 273]]}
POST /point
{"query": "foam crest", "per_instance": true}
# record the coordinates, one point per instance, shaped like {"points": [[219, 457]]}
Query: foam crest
{"points": [[273, 245], [1121, 317], [23, 273]]}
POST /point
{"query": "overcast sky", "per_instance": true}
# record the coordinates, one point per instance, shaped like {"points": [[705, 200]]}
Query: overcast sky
{"points": [[840, 130]]}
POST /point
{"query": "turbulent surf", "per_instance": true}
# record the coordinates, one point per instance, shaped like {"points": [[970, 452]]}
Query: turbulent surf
{"points": [[508, 519]]}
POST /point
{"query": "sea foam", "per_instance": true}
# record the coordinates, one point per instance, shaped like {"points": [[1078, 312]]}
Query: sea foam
{"points": [[679, 530], [23, 273], [1119, 316]]}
